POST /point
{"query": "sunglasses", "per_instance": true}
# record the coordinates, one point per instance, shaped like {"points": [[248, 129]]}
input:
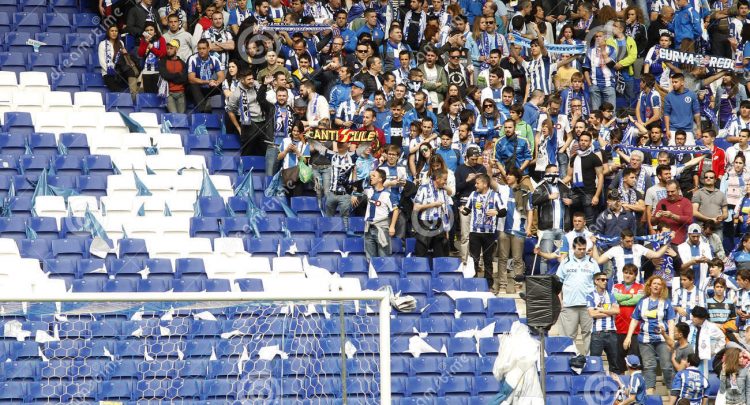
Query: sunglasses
{"points": [[488, 106], [361, 50], [601, 279], [708, 178], [454, 56]]}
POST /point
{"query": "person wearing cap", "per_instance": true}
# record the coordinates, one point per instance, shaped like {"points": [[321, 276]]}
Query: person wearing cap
{"points": [[614, 220], [635, 392], [349, 112], [709, 203], [689, 384], [174, 71], [551, 199], [706, 337], [466, 175], [695, 254], [176, 32], [674, 211]]}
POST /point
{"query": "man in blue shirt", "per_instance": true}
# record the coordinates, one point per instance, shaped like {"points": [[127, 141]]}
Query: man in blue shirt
{"points": [[512, 150], [682, 111], [450, 156], [689, 383], [577, 275], [635, 392], [603, 308]]}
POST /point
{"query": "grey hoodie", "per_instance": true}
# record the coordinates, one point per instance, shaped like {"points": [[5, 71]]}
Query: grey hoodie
{"points": [[187, 47]]}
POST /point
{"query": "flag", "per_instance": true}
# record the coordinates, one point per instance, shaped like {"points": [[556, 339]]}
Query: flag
{"points": [[207, 186], [167, 211], [143, 191], [142, 210], [30, 233], [133, 125], [219, 147]]}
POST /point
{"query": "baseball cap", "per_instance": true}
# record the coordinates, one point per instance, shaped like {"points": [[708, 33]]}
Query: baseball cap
{"points": [[359, 84], [632, 361], [472, 151], [694, 228], [175, 43]]}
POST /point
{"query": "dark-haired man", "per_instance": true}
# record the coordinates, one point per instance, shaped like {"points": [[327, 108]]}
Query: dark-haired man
{"points": [[205, 75]]}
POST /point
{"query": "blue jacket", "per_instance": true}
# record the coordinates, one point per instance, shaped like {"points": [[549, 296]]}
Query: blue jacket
{"points": [[610, 225], [340, 93], [686, 24], [412, 116], [504, 150], [450, 156], [376, 33]]}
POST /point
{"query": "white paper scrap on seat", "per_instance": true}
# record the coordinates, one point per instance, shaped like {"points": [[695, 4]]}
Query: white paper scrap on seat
{"points": [[418, 346], [484, 295], [349, 349]]}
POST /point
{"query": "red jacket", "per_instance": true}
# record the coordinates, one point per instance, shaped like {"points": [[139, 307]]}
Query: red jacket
{"points": [[684, 209], [160, 51], [622, 320], [718, 162]]}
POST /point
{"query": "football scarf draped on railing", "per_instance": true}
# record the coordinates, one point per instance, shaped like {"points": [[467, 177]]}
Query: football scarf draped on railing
{"points": [[672, 150], [558, 49], [295, 28]]}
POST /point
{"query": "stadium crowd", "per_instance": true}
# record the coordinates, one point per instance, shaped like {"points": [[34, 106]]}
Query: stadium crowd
{"points": [[582, 124]]}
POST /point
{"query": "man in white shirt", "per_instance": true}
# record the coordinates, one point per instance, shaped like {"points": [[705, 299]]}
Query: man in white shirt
{"points": [[740, 147], [695, 254], [378, 227], [737, 123], [627, 252], [317, 105]]}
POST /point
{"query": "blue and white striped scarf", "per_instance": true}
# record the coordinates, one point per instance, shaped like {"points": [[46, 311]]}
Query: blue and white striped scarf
{"points": [[672, 150], [555, 49]]}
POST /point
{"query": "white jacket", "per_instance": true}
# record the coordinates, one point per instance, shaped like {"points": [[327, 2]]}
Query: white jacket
{"points": [[711, 341]]}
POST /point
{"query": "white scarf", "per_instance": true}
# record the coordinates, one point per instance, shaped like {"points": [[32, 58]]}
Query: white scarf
{"points": [[577, 170]]}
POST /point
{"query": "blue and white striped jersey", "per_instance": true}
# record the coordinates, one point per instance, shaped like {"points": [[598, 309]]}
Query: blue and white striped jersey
{"points": [[514, 223], [743, 304], [653, 313], [690, 384], [291, 159], [428, 193], [539, 73], [479, 205], [688, 299], [601, 74], [342, 166], [605, 301], [378, 205]]}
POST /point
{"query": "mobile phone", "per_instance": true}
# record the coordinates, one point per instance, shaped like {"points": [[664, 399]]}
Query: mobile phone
{"points": [[664, 207]]}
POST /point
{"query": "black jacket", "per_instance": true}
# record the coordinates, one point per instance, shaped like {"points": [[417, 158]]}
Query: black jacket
{"points": [[541, 202], [136, 20]]}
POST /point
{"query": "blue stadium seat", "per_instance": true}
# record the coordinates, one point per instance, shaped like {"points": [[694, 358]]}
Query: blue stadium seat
{"points": [[53, 39], [4, 20], [147, 102], [353, 267], [222, 165], [120, 285], [426, 366], [488, 347], [16, 42], [76, 144], [190, 268], [557, 399], [417, 386], [49, 390], [13, 143], [93, 82], [92, 269], [125, 268], [416, 267], [255, 163], [75, 41], [188, 285], [233, 226], [42, 62], [88, 286], [64, 181], [456, 387], [486, 385], [8, 165], [558, 365], [13, 227], [270, 227], [56, 23], [445, 264], [26, 22], [231, 143], [133, 248], [211, 121], [13, 62], [154, 285], [355, 246], [441, 304], [17, 122], [470, 306], [357, 224], [557, 344], [305, 207], [501, 306], [159, 268], [17, 371], [95, 185], [21, 205], [43, 143], [115, 390], [203, 227], [328, 263], [9, 6], [199, 145], [73, 63], [35, 249], [594, 365], [33, 5], [558, 384], [32, 165], [331, 227], [98, 164], [474, 284], [419, 288], [289, 245], [85, 22], [64, 6], [272, 207], [192, 368], [61, 269], [301, 227], [217, 285], [325, 247], [25, 184], [212, 207], [121, 102], [403, 326], [263, 247], [177, 122], [71, 248], [378, 283]]}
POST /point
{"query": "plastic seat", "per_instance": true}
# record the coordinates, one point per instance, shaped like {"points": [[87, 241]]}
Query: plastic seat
{"points": [[125, 268], [210, 121], [13, 61], [9, 6], [178, 123], [98, 164], [35, 249], [154, 285], [76, 144], [53, 38], [73, 64], [87, 101], [95, 185], [354, 246], [13, 228], [43, 143], [85, 22], [19, 123], [222, 165], [26, 22], [43, 62], [133, 248], [146, 102], [325, 247], [204, 227], [305, 207], [301, 228], [384, 266], [120, 285], [212, 207], [57, 22], [16, 42], [69, 249], [121, 102], [190, 267]]}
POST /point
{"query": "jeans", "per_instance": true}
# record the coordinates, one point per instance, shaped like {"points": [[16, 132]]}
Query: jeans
{"points": [[272, 161], [600, 95], [373, 247], [547, 245], [649, 354], [628, 93], [571, 318], [322, 175], [463, 244], [606, 342], [510, 245], [176, 103], [341, 202], [582, 203]]}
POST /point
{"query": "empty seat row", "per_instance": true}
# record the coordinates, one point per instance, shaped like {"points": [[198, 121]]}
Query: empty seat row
{"points": [[56, 38]]}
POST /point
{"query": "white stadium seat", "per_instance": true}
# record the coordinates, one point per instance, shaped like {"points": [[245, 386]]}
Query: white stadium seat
{"points": [[84, 122], [89, 101], [28, 102], [149, 121], [8, 82], [50, 206], [51, 121], [34, 82], [77, 204], [58, 101], [8, 249]]}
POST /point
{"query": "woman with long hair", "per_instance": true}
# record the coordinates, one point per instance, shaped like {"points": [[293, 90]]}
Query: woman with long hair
{"points": [[231, 81], [603, 16], [635, 28], [454, 90], [151, 49], [563, 76], [742, 256], [473, 99], [116, 65], [655, 314], [728, 97], [418, 165], [448, 119], [436, 165], [292, 150], [484, 129], [734, 381], [733, 185]]}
